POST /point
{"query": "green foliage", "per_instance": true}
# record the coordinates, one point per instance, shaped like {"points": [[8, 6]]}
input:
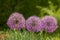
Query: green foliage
{"points": [[25, 35], [50, 10], [28, 8]]}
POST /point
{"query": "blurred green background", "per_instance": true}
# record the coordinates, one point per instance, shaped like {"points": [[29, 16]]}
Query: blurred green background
{"points": [[26, 7]]}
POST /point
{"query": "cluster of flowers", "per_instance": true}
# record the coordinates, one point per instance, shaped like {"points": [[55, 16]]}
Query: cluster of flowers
{"points": [[33, 24]]}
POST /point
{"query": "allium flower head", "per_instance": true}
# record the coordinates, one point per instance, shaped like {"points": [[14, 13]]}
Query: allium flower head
{"points": [[16, 21], [33, 24], [49, 24]]}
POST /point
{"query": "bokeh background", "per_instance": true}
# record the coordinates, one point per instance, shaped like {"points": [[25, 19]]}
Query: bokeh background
{"points": [[29, 8], [26, 7]]}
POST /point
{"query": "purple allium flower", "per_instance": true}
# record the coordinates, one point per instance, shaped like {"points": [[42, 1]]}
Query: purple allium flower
{"points": [[49, 24], [16, 21], [33, 24]]}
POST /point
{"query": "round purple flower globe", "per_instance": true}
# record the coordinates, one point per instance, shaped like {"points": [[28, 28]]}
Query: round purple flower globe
{"points": [[16, 21], [33, 24], [49, 24]]}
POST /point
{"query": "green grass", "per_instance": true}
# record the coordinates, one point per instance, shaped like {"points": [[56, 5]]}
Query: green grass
{"points": [[27, 8], [26, 35]]}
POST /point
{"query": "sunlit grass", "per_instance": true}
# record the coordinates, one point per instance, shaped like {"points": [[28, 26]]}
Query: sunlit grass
{"points": [[26, 35]]}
